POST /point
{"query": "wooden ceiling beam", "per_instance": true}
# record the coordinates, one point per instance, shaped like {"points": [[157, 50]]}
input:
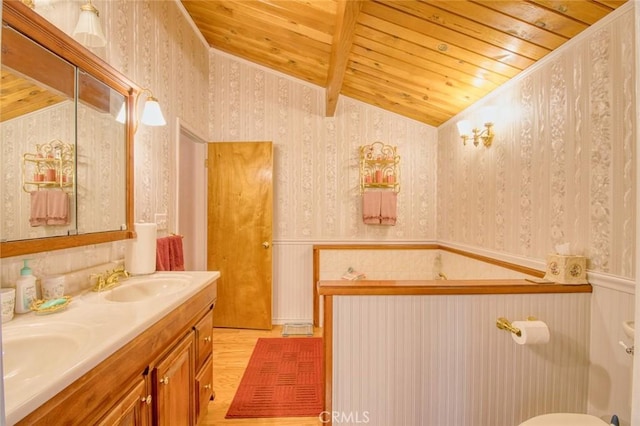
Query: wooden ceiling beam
{"points": [[346, 19]]}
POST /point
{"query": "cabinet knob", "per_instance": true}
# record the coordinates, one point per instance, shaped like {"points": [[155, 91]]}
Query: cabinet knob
{"points": [[266, 244], [146, 400], [164, 380], [207, 387], [207, 339]]}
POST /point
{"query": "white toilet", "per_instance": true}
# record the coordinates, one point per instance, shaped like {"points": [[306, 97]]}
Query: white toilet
{"points": [[564, 419]]}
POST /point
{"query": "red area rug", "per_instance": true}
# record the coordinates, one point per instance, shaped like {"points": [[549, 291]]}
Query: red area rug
{"points": [[283, 379]]}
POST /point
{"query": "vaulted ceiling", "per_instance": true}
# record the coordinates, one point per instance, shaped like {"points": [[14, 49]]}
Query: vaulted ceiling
{"points": [[427, 60]]}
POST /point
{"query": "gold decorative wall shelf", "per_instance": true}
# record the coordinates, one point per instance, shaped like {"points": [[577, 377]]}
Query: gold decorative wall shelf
{"points": [[379, 167], [51, 166]]}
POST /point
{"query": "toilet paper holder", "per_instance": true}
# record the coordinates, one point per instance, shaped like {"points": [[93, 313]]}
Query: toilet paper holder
{"points": [[504, 324]]}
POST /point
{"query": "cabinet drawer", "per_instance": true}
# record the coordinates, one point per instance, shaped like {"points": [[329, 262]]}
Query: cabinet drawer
{"points": [[204, 389], [204, 334]]}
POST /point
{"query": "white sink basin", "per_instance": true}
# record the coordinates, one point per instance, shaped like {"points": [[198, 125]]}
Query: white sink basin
{"points": [[23, 347], [629, 328], [137, 290]]}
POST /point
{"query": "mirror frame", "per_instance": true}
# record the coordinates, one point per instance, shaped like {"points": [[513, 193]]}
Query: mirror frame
{"points": [[28, 22]]}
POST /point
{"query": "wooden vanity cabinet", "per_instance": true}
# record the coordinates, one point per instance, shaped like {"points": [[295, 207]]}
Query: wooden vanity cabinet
{"points": [[204, 389], [204, 364], [173, 384], [159, 363], [134, 409]]}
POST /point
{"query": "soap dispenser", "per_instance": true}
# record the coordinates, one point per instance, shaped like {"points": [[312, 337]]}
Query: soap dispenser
{"points": [[25, 289]]}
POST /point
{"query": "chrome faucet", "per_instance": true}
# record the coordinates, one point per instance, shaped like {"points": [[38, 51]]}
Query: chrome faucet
{"points": [[109, 279]]}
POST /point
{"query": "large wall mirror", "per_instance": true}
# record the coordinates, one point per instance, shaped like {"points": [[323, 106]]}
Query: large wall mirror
{"points": [[66, 159]]}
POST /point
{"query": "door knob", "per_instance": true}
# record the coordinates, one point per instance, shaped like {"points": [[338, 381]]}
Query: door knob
{"points": [[266, 244]]}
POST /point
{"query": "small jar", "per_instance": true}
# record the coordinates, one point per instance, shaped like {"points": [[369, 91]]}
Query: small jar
{"points": [[50, 175], [52, 287]]}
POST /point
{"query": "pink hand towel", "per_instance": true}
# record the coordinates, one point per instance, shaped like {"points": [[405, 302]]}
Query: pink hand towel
{"points": [[57, 208], [176, 254], [163, 259], [38, 208], [388, 208], [371, 207]]}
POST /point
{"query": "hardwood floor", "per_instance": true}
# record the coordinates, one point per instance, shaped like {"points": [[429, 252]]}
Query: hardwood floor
{"points": [[232, 349]]}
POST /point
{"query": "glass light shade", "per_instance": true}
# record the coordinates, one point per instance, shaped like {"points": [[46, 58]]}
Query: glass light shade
{"points": [[464, 127], [152, 115], [488, 114], [88, 30]]}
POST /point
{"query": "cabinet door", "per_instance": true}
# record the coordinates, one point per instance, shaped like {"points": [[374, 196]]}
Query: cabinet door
{"points": [[133, 409], [173, 381], [204, 335], [204, 389]]}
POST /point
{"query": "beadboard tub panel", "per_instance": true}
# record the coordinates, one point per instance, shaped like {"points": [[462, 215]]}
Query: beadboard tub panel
{"points": [[427, 360]]}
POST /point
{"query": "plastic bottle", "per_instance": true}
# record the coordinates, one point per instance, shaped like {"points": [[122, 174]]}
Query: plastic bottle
{"points": [[25, 289]]}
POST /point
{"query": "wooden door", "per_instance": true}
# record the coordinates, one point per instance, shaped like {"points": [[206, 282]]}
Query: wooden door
{"points": [[240, 215]]}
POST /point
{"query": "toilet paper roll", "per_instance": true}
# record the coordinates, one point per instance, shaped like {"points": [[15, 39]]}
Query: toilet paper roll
{"points": [[140, 256], [531, 332]]}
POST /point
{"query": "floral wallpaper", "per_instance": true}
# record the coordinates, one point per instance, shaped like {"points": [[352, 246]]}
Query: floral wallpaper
{"points": [[562, 166], [316, 169]]}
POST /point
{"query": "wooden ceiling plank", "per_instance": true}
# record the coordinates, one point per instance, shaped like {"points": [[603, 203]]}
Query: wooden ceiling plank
{"points": [[451, 58], [285, 42], [347, 16], [583, 11], [251, 51], [399, 90], [613, 4], [261, 22], [485, 24], [394, 107], [541, 17], [454, 51], [362, 47], [405, 68], [294, 42], [451, 100], [431, 87], [444, 35], [318, 14]]}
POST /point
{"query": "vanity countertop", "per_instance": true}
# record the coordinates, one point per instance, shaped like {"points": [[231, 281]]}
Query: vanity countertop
{"points": [[66, 345]]}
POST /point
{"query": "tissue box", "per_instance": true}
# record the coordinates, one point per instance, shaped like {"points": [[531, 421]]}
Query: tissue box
{"points": [[566, 269]]}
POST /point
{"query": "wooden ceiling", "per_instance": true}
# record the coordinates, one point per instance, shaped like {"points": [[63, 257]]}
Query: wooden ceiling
{"points": [[427, 60]]}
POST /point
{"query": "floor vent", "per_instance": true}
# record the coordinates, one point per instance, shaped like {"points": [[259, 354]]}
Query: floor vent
{"points": [[297, 329]]}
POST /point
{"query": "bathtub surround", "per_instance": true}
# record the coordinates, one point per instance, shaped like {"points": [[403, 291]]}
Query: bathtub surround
{"points": [[561, 166]]}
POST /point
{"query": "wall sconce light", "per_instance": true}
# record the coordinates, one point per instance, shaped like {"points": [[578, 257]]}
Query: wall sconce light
{"points": [[151, 114], [88, 29], [467, 131]]}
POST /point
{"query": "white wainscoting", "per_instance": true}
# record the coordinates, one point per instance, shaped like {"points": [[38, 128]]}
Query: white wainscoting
{"points": [[436, 360], [292, 278]]}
